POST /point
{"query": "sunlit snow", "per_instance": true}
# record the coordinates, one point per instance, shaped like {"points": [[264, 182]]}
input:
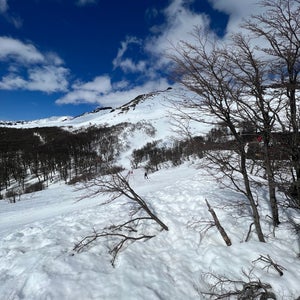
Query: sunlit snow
{"points": [[38, 233]]}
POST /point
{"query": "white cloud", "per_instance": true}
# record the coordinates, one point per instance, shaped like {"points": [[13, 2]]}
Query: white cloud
{"points": [[118, 93], [121, 85], [47, 79], [78, 97], [88, 92], [129, 66], [12, 82], [12, 49], [100, 84], [30, 69], [126, 64], [179, 23], [237, 11], [53, 58]]}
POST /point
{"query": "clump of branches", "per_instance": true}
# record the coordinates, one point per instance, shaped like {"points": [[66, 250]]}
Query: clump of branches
{"points": [[269, 262], [248, 289], [202, 226], [122, 234], [115, 186]]}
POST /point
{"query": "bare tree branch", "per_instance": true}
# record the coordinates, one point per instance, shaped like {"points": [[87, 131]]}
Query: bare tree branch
{"points": [[218, 225], [226, 288], [121, 233], [115, 186], [270, 263]]}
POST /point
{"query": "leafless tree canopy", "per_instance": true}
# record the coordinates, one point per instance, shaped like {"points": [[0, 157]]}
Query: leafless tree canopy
{"points": [[253, 77]]}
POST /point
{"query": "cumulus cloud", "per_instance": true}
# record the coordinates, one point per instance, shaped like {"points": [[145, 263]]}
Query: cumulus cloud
{"points": [[127, 64], [180, 21], [102, 92], [237, 11], [100, 84], [12, 49], [30, 69], [87, 92], [45, 71], [47, 79]]}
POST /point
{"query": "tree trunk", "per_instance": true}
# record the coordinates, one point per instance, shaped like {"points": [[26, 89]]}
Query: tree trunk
{"points": [[255, 214], [271, 185]]}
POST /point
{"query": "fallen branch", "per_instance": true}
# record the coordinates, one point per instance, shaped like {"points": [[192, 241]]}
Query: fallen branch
{"points": [[249, 232], [123, 233], [218, 225], [270, 263], [225, 288], [115, 186]]}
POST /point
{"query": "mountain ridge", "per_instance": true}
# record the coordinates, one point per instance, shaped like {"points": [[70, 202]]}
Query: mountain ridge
{"points": [[94, 115]]}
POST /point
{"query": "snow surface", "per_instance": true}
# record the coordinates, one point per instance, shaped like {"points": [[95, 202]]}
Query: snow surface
{"points": [[38, 233]]}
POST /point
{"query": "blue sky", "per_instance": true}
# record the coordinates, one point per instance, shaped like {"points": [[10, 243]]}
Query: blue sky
{"points": [[66, 57]]}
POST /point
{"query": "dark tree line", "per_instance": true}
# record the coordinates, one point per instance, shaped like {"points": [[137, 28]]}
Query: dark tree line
{"points": [[43, 153], [152, 155]]}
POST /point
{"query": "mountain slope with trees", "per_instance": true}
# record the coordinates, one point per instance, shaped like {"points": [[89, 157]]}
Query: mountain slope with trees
{"points": [[223, 152]]}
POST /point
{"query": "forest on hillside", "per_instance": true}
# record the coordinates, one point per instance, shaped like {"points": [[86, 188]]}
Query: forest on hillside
{"points": [[31, 158]]}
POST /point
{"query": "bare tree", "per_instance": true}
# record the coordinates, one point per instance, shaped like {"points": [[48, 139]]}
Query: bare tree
{"points": [[258, 105], [253, 78], [202, 68], [279, 30], [115, 186]]}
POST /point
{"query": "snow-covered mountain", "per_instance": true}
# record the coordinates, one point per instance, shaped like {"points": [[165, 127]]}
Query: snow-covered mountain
{"points": [[191, 260], [154, 110], [154, 107]]}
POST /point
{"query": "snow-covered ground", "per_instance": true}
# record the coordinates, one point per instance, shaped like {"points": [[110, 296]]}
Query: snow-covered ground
{"points": [[38, 233]]}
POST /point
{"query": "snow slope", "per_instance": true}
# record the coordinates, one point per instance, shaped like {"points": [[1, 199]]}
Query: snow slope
{"points": [[39, 232], [155, 108]]}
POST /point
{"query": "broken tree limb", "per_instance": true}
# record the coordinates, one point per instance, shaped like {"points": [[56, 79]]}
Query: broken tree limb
{"points": [[218, 225]]}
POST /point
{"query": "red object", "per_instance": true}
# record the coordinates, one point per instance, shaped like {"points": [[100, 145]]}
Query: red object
{"points": [[259, 138]]}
